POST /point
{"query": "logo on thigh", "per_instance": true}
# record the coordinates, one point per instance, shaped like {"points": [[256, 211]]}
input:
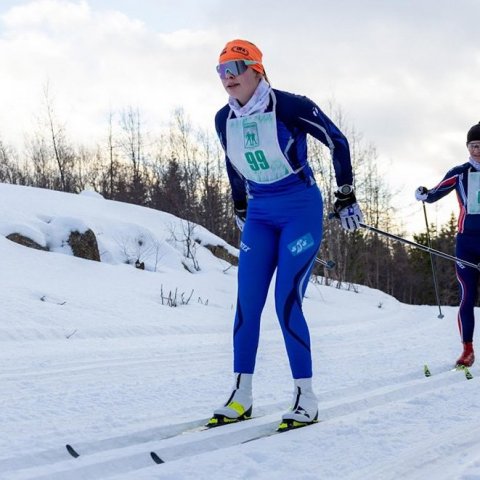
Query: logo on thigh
{"points": [[301, 244], [244, 247]]}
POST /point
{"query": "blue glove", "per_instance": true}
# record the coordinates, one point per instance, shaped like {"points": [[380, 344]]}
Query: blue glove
{"points": [[347, 210], [421, 194]]}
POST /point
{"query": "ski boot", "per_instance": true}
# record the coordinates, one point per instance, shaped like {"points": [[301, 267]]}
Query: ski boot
{"points": [[239, 405], [468, 356], [305, 407]]}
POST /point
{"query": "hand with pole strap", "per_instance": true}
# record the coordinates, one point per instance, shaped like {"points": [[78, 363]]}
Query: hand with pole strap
{"points": [[347, 209], [421, 194]]}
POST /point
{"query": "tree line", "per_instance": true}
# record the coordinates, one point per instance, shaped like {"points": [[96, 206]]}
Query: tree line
{"points": [[182, 172]]}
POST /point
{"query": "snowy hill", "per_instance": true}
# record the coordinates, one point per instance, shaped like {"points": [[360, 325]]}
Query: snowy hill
{"points": [[92, 355]]}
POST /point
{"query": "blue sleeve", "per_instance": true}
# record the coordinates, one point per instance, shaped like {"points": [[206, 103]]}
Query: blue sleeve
{"points": [[237, 182], [313, 121], [445, 186]]}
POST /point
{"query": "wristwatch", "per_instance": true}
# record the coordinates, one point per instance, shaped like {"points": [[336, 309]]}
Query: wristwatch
{"points": [[345, 189]]}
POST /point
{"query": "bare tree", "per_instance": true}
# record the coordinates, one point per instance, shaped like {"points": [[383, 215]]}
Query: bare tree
{"points": [[10, 171], [185, 149], [39, 157], [111, 157], [132, 144], [63, 153]]}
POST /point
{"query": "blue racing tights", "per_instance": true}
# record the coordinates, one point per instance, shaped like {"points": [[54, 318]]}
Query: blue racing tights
{"points": [[467, 248], [282, 232]]}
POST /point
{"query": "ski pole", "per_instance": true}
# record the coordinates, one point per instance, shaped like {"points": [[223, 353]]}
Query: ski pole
{"points": [[421, 247], [434, 271], [328, 264]]}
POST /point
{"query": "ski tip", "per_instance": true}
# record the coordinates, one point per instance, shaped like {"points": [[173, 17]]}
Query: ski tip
{"points": [[72, 451], [156, 458], [426, 371], [465, 370]]}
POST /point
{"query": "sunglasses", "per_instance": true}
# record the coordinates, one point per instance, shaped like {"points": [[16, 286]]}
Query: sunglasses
{"points": [[473, 146], [234, 68]]}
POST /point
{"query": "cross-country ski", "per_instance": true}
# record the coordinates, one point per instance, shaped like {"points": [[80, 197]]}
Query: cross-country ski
{"points": [[457, 368]]}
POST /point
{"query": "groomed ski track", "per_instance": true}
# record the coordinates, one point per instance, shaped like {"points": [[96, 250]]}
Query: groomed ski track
{"points": [[127, 456]]}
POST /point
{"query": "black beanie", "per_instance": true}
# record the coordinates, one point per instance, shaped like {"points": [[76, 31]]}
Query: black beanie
{"points": [[474, 133]]}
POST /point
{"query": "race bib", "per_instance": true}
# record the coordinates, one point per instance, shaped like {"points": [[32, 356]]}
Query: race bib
{"points": [[252, 147], [473, 196]]}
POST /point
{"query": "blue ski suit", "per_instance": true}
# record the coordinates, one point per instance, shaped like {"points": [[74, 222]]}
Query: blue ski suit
{"points": [[465, 180], [266, 160]]}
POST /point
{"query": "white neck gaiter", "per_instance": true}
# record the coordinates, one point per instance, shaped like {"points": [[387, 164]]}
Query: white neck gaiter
{"points": [[257, 104], [474, 163]]}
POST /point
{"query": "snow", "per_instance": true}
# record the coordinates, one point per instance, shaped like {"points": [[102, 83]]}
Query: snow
{"points": [[91, 355]]}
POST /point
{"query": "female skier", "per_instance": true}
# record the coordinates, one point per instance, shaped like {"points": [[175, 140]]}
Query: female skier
{"points": [[278, 207], [465, 179]]}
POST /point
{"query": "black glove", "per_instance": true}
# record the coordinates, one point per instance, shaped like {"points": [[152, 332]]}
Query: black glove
{"points": [[240, 209], [347, 209], [343, 200]]}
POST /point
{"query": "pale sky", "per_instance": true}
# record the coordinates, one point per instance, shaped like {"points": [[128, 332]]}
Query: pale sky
{"points": [[404, 73]]}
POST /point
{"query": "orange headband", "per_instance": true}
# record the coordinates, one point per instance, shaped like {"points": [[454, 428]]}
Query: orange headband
{"points": [[242, 50]]}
